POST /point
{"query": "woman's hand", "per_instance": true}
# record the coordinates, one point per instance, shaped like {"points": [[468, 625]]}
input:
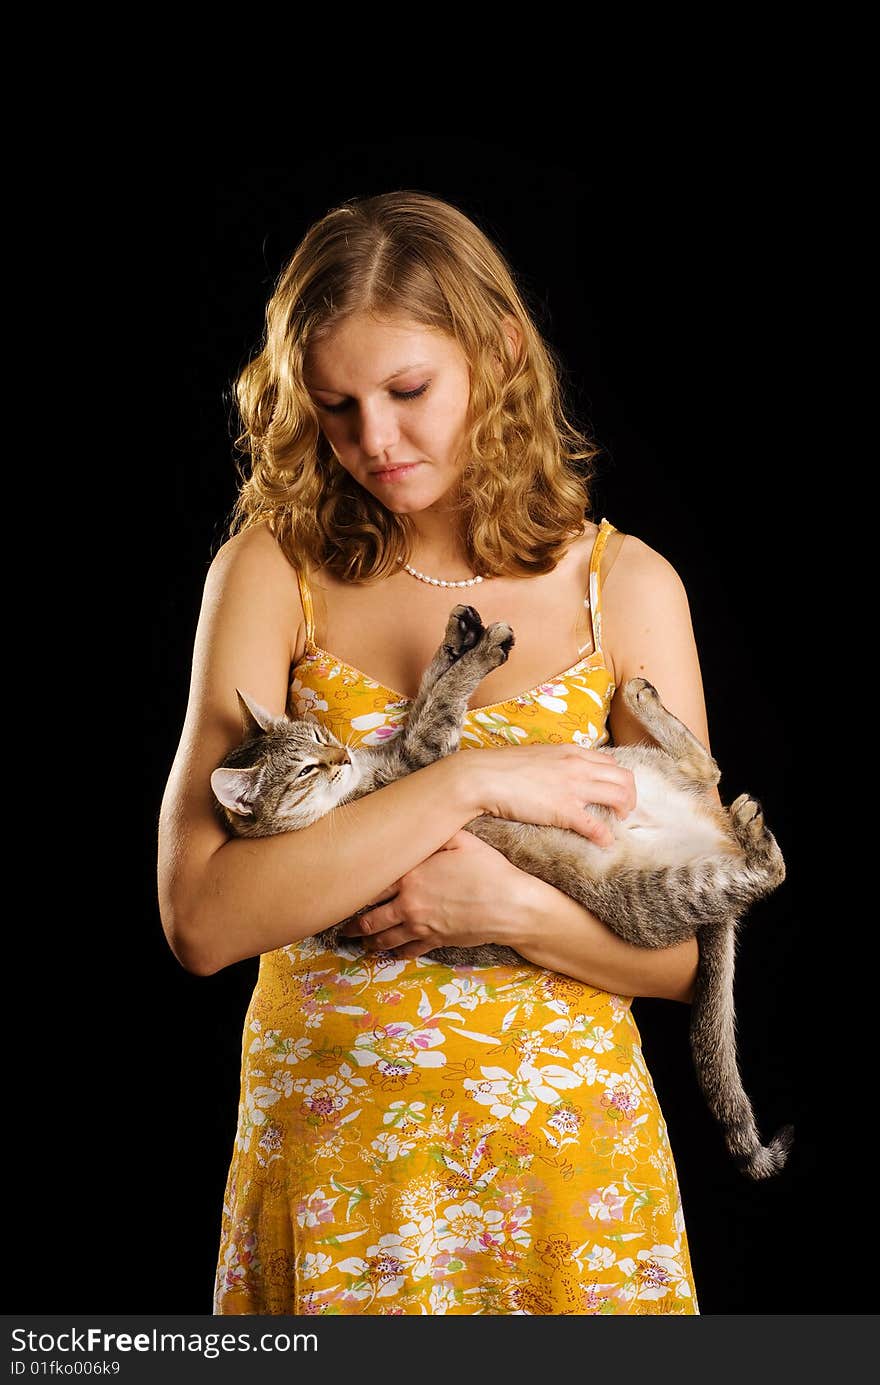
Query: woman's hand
{"points": [[464, 894], [550, 784]]}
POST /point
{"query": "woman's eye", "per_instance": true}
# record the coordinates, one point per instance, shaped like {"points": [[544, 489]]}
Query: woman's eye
{"points": [[398, 394]]}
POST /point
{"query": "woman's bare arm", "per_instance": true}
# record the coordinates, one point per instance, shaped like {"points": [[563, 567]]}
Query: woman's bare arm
{"points": [[554, 931], [258, 894], [224, 898], [649, 634]]}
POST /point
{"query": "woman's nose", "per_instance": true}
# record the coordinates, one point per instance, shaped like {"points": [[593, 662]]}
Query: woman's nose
{"points": [[378, 430]]}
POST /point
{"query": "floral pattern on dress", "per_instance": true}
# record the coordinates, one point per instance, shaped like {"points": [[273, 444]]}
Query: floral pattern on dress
{"points": [[414, 1138]]}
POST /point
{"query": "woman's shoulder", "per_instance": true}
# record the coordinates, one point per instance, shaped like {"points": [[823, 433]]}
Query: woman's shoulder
{"points": [[252, 569], [633, 562], [640, 588], [255, 544], [254, 554]]}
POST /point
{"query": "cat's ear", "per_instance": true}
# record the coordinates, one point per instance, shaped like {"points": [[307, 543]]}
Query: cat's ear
{"points": [[236, 789], [255, 718]]}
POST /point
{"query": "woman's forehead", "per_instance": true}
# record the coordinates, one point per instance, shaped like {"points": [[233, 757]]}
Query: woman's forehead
{"points": [[379, 351]]}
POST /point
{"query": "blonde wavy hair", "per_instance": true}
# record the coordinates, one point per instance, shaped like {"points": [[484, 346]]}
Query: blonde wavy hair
{"points": [[524, 486]]}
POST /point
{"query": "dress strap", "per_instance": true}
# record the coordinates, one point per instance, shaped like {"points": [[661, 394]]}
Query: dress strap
{"points": [[594, 589], [308, 612]]}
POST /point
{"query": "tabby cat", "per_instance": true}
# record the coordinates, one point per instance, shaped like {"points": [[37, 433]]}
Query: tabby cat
{"points": [[680, 864]]}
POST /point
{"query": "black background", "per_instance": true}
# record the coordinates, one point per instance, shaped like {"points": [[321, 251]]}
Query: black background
{"points": [[669, 285]]}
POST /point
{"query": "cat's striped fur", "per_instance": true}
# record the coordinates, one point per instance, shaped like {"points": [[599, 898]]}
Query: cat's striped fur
{"points": [[680, 866]]}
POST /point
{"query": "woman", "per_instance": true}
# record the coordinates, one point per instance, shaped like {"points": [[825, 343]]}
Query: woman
{"points": [[414, 1138]]}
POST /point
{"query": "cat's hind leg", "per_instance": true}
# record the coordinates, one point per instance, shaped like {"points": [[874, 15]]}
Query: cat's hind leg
{"points": [[760, 848], [691, 757]]}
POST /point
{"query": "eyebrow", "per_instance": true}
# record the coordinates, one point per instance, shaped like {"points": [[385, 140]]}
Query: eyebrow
{"points": [[417, 365]]}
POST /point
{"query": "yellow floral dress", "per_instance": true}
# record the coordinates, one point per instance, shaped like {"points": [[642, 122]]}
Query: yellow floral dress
{"points": [[414, 1138]]}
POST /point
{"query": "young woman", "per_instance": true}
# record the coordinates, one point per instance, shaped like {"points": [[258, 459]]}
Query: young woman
{"points": [[413, 1138]]}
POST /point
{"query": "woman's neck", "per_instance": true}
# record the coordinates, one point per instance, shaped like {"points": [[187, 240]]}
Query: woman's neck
{"points": [[438, 551]]}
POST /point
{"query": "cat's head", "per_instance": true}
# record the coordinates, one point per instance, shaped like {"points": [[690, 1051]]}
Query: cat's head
{"points": [[285, 774]]}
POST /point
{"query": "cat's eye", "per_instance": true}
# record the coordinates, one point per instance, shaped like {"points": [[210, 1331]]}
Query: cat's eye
{"points": [[307, 769]]}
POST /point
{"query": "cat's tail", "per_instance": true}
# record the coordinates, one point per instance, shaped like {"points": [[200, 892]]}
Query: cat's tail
{"points": [[713, 1043]]}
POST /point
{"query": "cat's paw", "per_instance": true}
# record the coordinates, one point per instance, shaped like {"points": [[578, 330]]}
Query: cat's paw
{"points": [[747, 817], [463, 630], [497, 642], [641, 691], [759, 843]]}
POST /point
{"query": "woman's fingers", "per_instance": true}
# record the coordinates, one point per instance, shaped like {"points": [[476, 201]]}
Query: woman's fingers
{"points": [[625, 780], [605, 783], [605, 768], [596, 830], [383, 942], [556, 785], [385, 895]]}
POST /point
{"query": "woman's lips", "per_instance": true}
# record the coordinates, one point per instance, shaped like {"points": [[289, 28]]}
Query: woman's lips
{"points": [[397, 473]]}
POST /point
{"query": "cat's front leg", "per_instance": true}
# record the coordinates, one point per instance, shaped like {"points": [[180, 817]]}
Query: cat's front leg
{"points": [[463, 629], [439, 731], [468, 653]]}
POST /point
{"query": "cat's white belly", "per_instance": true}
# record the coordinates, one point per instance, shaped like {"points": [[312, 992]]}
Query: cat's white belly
{"points": [[663, 828]]}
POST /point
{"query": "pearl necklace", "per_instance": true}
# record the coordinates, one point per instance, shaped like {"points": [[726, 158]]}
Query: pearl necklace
{"points": [[438, 581]]}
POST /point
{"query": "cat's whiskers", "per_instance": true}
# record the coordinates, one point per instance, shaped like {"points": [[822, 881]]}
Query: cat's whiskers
{"points": [[336, 819], [685, 869]]}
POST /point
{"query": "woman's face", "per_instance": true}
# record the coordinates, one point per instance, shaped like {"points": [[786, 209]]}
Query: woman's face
{"points": [[358, 379]]}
